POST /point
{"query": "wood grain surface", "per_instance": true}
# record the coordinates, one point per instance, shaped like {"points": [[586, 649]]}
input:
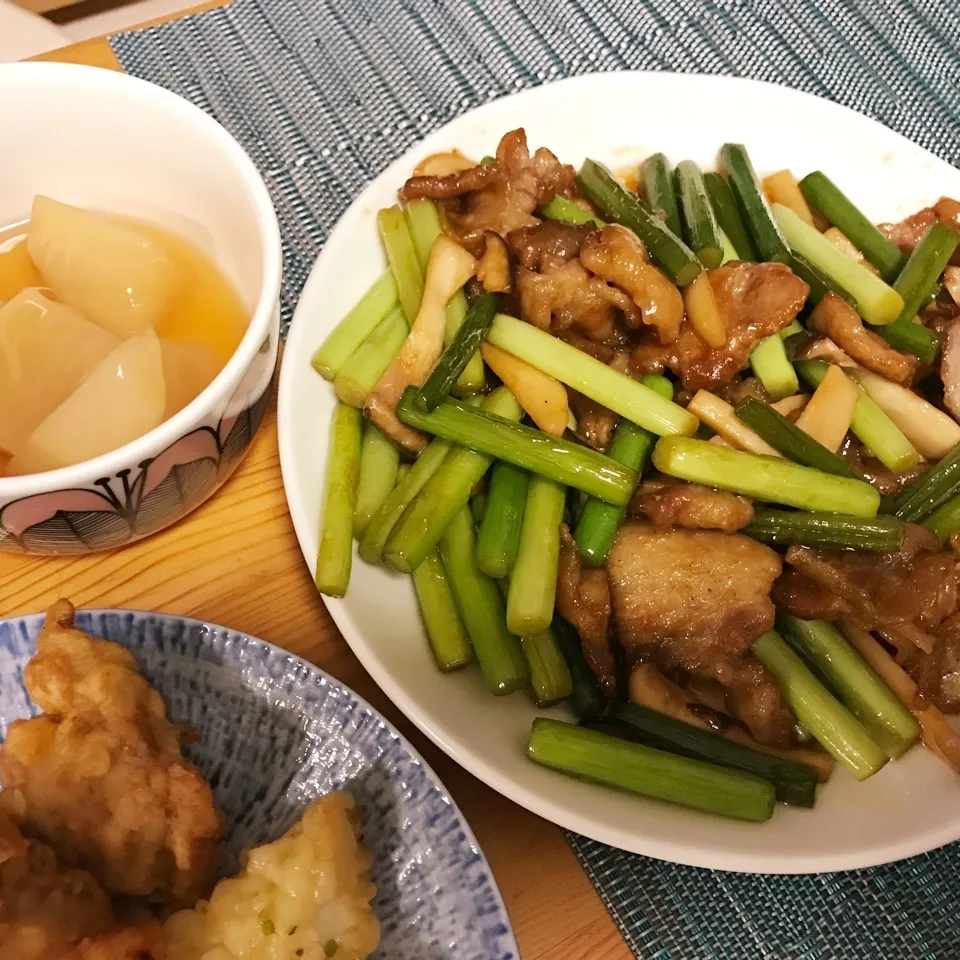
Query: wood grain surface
{"points": [[236, 562]]}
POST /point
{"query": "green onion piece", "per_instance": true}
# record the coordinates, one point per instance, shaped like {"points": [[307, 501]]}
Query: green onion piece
{"points": [[787, 438], [602, 384], [448, 639], [423, 221], [478, 509], [791, 329], [863, 693], [616, 203], [345, 338], [764, 478], [594, 756], [566, 211], [361, 373], [443, 494], [829, 531], [499, 537], [702, 230], [912, 338], [267, 927], [552, 457], [729, 251], [339, 501], [878, 433], [945, 521], [391, 510], [473, 379], [877, 302], [379, 462], [728, 216], [457, 355], [820, 284], [752, 203], [481, 608], [821, 192], [402, 256], [423, 218], [931, 491], [550, 680], [795, 783], [818, 710], [772, 367], [631, 446], [533, 581], [585, 698], [921, 272], [658, 189]]}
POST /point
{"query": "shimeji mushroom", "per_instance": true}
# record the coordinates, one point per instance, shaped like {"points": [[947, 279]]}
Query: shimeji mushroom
{"points": [[449, 268]]}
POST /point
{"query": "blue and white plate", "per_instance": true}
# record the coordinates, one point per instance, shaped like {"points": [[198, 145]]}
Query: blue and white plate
{"points": [[276, 732]]}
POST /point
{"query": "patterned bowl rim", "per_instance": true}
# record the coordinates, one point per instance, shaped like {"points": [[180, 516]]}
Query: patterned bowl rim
{"points": [[229, 153], [316, 672]]}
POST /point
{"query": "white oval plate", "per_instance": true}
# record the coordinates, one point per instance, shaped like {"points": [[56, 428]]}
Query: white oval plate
{"points": [[911, 806]]}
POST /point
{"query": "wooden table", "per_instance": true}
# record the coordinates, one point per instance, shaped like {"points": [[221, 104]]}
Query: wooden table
{"points": [[236, 561]]}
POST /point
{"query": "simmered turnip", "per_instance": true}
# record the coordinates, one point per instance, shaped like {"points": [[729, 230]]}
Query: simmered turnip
{"points": [[123, 398], [116, 276], [46, 351]]}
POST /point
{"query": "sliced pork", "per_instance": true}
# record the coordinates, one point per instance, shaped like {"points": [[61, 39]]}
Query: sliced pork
{"points": [[668, 503], [689, 594]]}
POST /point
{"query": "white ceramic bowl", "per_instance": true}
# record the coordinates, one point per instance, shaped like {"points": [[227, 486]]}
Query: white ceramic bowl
{"points": [[911, 805], [102, 139]]}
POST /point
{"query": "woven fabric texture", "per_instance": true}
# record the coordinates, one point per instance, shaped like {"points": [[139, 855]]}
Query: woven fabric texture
{"points": [[323, 94]]}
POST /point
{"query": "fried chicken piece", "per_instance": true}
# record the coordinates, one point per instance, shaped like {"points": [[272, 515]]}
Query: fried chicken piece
{"points": [[44, 910], [146, 941], [100, 775]]}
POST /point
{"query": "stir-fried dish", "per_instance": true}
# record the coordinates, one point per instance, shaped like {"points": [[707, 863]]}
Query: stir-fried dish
{"points": [[681, 449]]}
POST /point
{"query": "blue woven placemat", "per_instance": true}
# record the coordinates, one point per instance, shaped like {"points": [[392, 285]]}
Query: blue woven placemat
{"points": [[323, 94]]}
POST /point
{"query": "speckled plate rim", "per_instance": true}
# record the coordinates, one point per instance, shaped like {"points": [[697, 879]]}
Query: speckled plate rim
{"points": [[315, 672]]}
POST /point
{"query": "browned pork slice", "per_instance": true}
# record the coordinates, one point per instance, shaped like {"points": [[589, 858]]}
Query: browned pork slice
{"points": [[616, 255], [753, 696], [938, 673], [557, 293], [836, 319], [763, 710], [755, 301], [916, 586], [546, 245], [950, 369], [689, 595], [595, 423], [667, 503], [503, 197], [569, 298], [583, 600], [906, 234], [449, 185], [874, 472]]}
